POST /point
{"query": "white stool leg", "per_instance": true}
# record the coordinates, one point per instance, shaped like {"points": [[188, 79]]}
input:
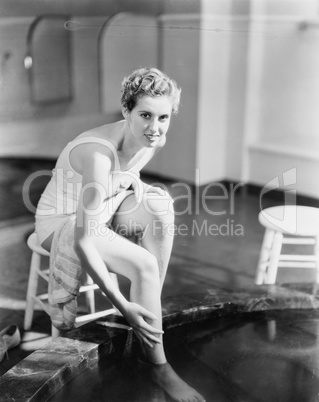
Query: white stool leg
{"points": [[89, 296], [32, 289], [116, 282], [264, 256], [55, 333], [316, 253], [274, 259]]}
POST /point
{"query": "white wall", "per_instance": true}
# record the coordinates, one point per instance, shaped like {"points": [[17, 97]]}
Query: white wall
{"points": [[211, 158], [263, 68], [250, 79], [282, 96], [222, 85]]}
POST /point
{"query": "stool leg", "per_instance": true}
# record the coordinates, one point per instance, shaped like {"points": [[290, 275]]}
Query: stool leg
{"points": [[116, 282], [32, 289], [55, 333], [264, 256], [316, 253], [89, 296], [274, 259], [317, 256]]}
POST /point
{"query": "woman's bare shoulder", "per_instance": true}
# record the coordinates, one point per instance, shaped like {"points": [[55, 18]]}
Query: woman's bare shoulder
{"points": [[83, 152], [111, 132]]}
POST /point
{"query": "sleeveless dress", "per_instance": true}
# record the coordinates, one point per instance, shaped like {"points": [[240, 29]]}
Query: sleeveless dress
{"points": [[60, 198]]}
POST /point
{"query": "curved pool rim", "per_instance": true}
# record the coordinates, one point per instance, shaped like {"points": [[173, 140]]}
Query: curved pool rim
{"points": [[40, 375]]}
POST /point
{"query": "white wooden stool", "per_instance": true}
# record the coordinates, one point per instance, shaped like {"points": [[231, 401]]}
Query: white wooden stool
{"points": [[292, 225], [36, 271]]}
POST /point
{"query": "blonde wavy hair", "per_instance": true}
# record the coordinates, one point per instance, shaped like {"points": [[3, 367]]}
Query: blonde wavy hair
{"points": [[148, 82]]}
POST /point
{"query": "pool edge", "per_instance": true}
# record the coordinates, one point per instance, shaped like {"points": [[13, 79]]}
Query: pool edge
{"points": [[45, 371]]}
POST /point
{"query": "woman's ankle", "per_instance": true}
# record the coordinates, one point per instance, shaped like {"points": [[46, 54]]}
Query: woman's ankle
{"points": [[155, 364], [144, 357]]}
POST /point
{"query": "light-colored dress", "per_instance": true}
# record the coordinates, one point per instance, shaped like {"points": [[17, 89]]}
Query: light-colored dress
{"points": [[60, 198]]}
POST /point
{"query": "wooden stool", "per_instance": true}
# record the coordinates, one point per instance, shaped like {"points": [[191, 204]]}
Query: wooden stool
{"points": [[36, 271], [292, 225]]}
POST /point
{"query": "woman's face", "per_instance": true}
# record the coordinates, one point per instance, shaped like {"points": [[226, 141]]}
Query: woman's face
{"points": [[150, 119]]}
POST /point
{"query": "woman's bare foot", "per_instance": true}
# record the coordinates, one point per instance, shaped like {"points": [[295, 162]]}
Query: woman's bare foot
{"points": [[164, 376]]}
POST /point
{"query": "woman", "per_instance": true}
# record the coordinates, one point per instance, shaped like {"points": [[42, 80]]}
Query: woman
{"points": [[97, 180]]}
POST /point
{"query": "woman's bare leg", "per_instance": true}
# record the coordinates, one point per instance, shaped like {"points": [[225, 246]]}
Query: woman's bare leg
{"points": [[140, 267], [156, 232]]}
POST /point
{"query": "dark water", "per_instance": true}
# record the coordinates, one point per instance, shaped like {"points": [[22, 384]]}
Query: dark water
{"points": [[266, 357]]}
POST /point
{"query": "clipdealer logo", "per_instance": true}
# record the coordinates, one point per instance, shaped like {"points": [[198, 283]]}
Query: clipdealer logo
{"points": [[195, 202]]}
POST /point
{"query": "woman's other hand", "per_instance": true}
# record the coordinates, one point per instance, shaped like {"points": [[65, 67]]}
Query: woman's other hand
{"points": [[155, 189], [136, 315]]}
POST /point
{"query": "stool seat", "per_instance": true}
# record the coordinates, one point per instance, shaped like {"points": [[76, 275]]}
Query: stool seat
{"points": [[296, 225], [34, 245], [36, 271], [295, 220]]}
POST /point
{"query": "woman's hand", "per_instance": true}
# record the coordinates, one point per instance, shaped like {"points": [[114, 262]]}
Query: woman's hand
{"points": [[151, 189], [135, 315]]}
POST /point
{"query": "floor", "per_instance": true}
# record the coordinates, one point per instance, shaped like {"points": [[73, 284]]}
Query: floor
{"points": [[217, 244]]}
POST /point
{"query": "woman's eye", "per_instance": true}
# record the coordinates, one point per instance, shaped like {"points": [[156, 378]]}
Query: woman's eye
{"points": [[164, 118], [145, 115]]}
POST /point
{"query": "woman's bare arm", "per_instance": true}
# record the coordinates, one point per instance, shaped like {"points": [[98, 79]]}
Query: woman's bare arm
{"points": [[96, 168]]}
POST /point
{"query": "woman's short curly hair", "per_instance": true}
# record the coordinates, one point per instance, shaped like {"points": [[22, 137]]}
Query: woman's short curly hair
{"points": [[148, 82]]}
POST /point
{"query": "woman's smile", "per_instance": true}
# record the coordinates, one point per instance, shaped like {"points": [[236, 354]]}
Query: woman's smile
{"points": [[152, 137]]}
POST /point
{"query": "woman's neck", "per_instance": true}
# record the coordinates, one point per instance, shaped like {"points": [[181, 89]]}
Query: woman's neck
{"points": [[128, 146]]}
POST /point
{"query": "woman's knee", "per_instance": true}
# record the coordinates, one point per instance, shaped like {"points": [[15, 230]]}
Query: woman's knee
{"points": [[153, 212], [147, 269]]}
